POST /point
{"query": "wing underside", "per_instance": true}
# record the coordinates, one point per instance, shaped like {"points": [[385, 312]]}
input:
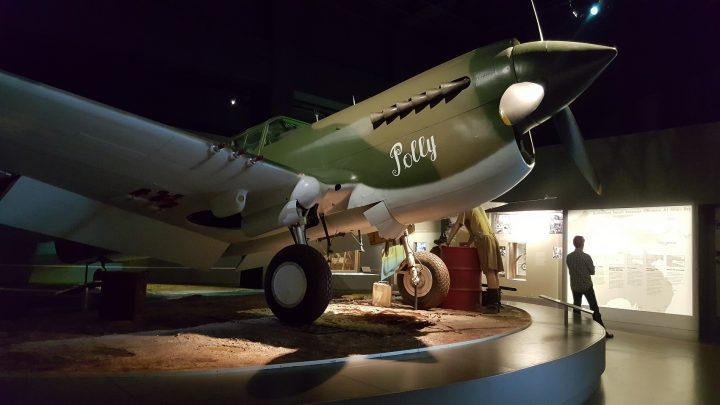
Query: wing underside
{"points": [[101, 176], [42, 208]]}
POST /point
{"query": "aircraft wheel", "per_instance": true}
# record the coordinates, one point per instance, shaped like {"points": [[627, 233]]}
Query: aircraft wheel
{"points": [[434, 282], [298, 285]]}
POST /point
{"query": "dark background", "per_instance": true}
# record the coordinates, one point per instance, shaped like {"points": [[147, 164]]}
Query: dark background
{"points": [[181, 63]]}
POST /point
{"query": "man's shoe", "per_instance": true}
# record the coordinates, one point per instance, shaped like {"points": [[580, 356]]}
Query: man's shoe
{"points": [[609, 335]]}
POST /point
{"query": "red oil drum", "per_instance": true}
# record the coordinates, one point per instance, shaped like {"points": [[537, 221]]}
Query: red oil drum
{"points": [[465, 277]]}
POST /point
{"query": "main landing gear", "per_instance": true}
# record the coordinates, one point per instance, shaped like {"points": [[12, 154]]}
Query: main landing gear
{"points": [[298, 281]]}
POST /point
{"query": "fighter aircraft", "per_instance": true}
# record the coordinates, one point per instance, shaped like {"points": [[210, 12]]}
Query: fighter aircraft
{"points": [[436, 144]]}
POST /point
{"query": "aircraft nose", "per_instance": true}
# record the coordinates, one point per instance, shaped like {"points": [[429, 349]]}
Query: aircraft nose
{"points": [[564, 69]]}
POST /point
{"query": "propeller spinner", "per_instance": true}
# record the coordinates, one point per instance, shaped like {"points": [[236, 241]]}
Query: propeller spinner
{"points": [[550, 75]]}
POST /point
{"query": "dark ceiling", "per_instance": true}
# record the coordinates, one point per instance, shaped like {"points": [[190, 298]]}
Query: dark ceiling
{"points": [[180, 63]]}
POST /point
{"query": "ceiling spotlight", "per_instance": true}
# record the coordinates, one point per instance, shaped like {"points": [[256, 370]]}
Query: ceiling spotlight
{"points": [[595, 9], [233, 101], [574, 9]]}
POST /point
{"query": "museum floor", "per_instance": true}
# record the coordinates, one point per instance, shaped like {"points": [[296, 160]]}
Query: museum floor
{"points": [[643, 369], [639, 368]]}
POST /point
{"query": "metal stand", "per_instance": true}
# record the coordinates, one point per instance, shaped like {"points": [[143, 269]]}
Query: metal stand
{"points": [[415, 305]]}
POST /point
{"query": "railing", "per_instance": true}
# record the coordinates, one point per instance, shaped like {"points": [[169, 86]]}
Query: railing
{"points": [[502, 287], [557, 301]]}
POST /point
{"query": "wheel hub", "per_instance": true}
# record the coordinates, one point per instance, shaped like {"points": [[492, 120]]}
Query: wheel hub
{"points": [[289, 284], [423, 287]]}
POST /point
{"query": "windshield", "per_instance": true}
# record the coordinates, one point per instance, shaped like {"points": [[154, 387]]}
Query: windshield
{"points": [[254, 139]]}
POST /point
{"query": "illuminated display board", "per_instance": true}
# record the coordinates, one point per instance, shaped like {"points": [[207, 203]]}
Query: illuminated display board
{"points": [[643, 256]]}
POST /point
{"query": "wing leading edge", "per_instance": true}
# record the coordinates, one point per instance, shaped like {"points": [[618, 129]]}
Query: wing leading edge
{"points": [[101, 176]]}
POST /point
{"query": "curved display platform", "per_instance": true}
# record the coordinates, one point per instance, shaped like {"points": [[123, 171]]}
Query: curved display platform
{"points": [[547, 362]]}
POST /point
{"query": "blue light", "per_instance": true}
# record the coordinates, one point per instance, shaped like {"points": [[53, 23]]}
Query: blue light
{"points": [[595, 9]]}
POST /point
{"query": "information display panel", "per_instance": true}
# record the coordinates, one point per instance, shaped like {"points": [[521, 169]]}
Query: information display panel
{"points": [[643, 256]]}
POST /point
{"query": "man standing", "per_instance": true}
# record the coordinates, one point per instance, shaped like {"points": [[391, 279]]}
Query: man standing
{"points": [[581, 268], [481, 236]]}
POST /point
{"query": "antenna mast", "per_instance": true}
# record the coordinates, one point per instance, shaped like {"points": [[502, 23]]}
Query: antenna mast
{"points": [[532, 2]]}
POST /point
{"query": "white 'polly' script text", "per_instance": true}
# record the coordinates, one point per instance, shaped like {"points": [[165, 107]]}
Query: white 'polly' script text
{"points": [[419, 149]]}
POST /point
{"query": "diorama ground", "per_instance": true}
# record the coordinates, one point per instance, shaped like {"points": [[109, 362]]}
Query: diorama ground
{"points": [[200, 328]]}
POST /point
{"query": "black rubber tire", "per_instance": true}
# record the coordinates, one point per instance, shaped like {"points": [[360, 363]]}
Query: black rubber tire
{"points": [[319, 285], [440, 282]]}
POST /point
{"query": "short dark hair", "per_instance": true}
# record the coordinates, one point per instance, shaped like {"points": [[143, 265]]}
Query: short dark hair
{"points": [[578, 241]]}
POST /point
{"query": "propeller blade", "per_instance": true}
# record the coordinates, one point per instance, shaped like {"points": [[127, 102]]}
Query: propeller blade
{"points": [[572, 138]]}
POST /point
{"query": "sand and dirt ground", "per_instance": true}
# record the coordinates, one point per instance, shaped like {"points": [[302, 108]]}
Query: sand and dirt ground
{"points": [[201, 332]]}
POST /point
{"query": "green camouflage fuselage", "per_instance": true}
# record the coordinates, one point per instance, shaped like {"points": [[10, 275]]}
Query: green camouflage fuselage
{"points": [[425, 145]]}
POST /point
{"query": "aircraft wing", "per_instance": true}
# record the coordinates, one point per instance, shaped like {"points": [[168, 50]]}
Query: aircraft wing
{"points": [[97, 175]]}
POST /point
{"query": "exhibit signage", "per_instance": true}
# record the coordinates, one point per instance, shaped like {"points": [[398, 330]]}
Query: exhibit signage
{"points": [[643, 256]]}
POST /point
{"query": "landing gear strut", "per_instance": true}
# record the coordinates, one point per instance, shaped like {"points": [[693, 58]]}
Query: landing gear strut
{"points": [[425, 283], [298, 281]]}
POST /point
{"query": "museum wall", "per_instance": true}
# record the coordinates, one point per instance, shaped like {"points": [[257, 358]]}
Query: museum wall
{"points": [[424, 235], [673, 166], [709, 281], [669, 167], [536, 268], [543, 270]]}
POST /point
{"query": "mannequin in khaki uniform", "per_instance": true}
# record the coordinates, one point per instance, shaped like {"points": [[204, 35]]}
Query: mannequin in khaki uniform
{"points": [[481, 236]]}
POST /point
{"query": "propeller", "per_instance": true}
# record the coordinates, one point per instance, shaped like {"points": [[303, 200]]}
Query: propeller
{"points": [[572, 139]]}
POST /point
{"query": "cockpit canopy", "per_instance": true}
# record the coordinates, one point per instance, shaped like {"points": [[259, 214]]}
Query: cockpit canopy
{"points": [[254, 139]]}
